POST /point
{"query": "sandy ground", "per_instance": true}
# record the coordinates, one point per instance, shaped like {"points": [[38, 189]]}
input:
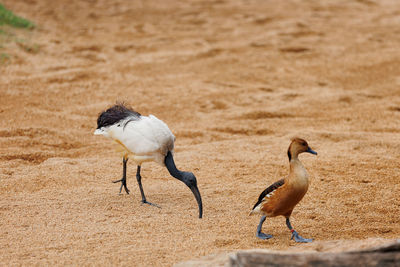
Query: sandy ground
{"points": [[234, 80]]}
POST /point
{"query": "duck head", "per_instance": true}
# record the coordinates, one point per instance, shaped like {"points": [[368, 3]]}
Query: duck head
{"points": [[298, 146]]}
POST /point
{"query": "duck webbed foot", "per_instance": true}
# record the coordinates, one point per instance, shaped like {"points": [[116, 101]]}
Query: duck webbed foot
{"points": [[259, 233], [263, 236], [296, 237]]}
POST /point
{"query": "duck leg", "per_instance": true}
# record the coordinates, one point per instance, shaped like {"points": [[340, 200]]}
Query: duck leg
{"points": [[295, 235], [259, 233], [123, 179], [139, 180]]}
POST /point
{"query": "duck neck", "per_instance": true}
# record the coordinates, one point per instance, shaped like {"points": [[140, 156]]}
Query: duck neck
{"points": [[170, 164], [294, 163], [298, 176], [292, 155]]}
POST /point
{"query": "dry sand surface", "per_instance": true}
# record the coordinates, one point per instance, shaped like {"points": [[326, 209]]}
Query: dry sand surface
{"points": [[234, 80]]}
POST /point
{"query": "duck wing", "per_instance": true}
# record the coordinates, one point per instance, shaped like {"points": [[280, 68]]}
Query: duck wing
{"points": [[269, 189]]}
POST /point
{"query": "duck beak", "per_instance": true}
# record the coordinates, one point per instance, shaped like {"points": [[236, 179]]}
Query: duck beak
{"points": [[197, 195], [309, 150]]}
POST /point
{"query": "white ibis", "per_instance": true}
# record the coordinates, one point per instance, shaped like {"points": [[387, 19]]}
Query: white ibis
{"points": [[282, 196], [143, 138]]}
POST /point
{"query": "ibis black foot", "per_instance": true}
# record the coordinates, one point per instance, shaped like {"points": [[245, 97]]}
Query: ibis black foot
{"points": [[139, 180], [296, 237], [123, 179], [151, 204], [123, 184]]}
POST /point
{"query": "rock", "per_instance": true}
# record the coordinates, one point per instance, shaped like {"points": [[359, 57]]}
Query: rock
{"points": [[384, 255], [366, 252]]}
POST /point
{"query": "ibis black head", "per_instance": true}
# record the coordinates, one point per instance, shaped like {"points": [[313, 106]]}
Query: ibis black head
{"points": [[115, 114]]}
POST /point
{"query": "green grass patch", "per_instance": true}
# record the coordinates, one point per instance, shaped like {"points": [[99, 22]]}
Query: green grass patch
{"points": [[14, 31], [7, 17]]}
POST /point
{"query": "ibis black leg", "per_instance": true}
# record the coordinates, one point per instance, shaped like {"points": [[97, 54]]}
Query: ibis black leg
{"points": [[123, 179], [259, 233], [139, 180], [295, 235]]}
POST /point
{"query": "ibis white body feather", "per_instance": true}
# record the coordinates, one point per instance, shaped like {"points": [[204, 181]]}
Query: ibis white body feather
{"points": [[144, 138]]}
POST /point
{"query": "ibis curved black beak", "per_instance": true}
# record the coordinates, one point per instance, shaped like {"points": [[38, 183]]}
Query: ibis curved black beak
{"points": [[197, 195], [309, 150]]}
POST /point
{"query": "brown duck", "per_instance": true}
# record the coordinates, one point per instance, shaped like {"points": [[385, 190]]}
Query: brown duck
{"points": [[282, 196]]}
